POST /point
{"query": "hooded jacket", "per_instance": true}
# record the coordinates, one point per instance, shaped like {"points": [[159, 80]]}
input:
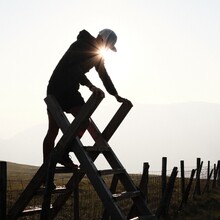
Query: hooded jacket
{"points": [[81, 56]]}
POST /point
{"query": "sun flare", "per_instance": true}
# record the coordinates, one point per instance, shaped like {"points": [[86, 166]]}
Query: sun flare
{"points": [[104, 52]]}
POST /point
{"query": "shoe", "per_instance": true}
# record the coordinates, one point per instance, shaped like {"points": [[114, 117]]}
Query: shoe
{"points": [[67, 162]]}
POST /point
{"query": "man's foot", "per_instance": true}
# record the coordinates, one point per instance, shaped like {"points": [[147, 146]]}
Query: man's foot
{"points": [[67, 162]]}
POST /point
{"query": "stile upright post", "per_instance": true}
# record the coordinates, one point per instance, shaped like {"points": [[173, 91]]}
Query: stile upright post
{"points": [[164, 174], [218, 171], [182, 177], [208, 174], [3, 189], [215, 177]]}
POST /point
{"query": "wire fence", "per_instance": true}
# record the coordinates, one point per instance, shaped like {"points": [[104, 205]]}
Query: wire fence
{"points": [[90, 206]]}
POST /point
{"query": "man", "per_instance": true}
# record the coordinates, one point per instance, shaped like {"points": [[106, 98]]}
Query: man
{"points": [[69, 74]]}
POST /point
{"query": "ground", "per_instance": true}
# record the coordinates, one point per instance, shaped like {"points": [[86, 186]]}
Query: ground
{"points": [[205, 207]]}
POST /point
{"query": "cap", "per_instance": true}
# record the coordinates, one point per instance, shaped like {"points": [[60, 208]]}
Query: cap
{"points": [[109, 38]]}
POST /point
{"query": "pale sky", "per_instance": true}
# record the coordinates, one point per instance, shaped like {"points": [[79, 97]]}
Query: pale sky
{"points": [[168, 52]]}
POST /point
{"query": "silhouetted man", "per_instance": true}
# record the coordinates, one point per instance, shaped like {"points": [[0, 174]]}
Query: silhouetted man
{"points": [[69, 74]]}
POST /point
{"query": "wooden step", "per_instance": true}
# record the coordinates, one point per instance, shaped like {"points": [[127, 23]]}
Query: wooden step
{"points": [[146, 217], [59, 189], [111, 171], [126, 195], [96, 148], [30, 211], [65, 170]]}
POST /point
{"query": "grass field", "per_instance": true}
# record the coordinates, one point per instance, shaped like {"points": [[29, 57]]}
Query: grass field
{"points": [[205, 207]]}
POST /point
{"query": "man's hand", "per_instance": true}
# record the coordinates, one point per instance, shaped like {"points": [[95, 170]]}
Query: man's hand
{"points": [[97, 91], [120, 99]]}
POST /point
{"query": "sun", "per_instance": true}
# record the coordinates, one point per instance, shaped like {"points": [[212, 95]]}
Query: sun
{"points": [[103, 52]]}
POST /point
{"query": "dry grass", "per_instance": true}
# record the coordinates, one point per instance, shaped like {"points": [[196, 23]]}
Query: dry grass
{"points": [[202, 207]]}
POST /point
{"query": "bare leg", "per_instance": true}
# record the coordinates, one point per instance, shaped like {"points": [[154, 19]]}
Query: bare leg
{"points": [[49, 140], [48, 143]]}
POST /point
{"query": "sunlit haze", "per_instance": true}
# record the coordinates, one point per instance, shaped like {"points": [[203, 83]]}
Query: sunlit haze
{"points": [[168, 54]]}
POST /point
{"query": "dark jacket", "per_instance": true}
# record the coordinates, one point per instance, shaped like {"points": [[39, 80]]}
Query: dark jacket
{"points": [[70, 72]]}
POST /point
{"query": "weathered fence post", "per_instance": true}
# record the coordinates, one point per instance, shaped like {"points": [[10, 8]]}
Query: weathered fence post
{"points": [[197, 190], [218, 177], [187, 191], [166, 198], [215, 177], [164, 174], [182, 178], [3, 189], [143, 185], [208, 174], [206, 188]]}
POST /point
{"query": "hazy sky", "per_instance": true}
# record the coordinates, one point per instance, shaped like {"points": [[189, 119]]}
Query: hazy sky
{"points": [[168, 52]]}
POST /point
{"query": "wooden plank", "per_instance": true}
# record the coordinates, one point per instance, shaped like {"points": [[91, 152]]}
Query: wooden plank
{"points": [[111, 171], [125, 195], [57, 112], [58, 189], [70, 133], [115, 163], [146, 217], [64, 170], [87, 109], [116, 120], [97, 182], [96, 148], [33, 211]]}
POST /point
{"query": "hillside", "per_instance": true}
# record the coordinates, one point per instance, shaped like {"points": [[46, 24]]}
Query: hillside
{"points": [[15, 170], [181, 131], [203, 207]]}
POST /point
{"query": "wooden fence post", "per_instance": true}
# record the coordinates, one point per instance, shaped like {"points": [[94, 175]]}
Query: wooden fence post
{"points": [[166, 198], [215, 177], [182, 178], [187, 191], [218, 177], [208, 174], [206, 188], [164, 174], [143, 185], [197, 190], [3, 189]]}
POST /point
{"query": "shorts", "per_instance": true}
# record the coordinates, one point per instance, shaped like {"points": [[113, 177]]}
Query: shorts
{"points": [[67, 99]]}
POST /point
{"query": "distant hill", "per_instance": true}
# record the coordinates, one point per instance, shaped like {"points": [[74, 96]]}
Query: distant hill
{"points": [[179, 131], [15, 169]]}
